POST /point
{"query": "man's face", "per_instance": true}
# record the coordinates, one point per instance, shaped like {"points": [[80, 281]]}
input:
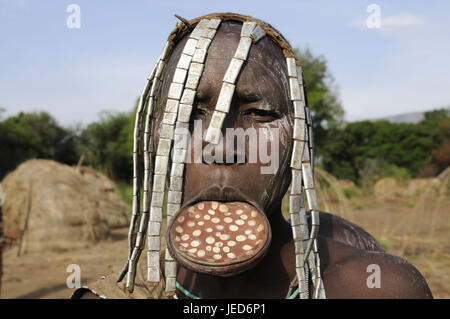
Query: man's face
{"points": [[260, 105]]}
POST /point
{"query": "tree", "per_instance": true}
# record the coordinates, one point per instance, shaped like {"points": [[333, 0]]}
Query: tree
{"points": [[326, 110], [388, 145], [438, 123], [34, 135], [108, 144]]}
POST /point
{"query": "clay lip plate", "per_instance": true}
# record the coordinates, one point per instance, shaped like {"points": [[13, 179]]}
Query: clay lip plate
{"points": [[220, 238]]}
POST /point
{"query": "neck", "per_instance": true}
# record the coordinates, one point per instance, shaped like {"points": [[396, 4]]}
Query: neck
{"points": [[255, 282]]}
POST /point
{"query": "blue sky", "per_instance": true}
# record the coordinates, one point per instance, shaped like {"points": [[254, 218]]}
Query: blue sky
{"points": [[74, 74]]}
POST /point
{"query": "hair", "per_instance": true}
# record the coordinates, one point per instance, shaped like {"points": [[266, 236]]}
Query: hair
{"points": [[175, 117]]}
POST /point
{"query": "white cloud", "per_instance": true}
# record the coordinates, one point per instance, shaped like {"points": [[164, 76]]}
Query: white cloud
{"points": [[405, 20]]}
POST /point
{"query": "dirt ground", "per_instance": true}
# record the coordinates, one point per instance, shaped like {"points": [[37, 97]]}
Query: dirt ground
{"points": [[43, 275], [394, 223], [421, 236]]}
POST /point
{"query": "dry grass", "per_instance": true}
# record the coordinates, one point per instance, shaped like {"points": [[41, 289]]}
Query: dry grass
{"points": [[415, 228]]}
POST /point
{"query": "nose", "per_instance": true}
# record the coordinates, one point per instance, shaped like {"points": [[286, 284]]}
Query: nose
{"points": [[227, 152], [231, 150], [223, 154]]}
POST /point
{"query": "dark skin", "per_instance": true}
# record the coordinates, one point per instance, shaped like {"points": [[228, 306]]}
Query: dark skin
{"points": [[261, 100]]}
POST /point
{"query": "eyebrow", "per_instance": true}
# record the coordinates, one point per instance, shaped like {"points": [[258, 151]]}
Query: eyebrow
{"points": [[249, 95]]}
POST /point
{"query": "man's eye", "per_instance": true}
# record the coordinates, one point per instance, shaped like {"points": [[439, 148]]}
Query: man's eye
{"points": [[261, 115], [198, 113]]}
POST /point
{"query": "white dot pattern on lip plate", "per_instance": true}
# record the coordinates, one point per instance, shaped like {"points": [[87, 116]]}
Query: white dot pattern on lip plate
{"points": [[216, 232], [196, 232], [195, 243]]}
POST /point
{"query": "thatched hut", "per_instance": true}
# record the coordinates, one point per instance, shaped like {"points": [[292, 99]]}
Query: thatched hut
{"points": [[57, 207]]}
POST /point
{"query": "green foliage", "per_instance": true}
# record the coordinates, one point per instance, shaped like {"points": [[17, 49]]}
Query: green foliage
{"points": [[352, 192], [438, 122], [34, 135], [377, 148], [108, 145], [126, 191], [362, 151], [105, 145], [326, 110]]}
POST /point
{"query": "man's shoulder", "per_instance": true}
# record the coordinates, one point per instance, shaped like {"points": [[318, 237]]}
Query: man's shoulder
{"points": [[350, 272], [346, 232]]}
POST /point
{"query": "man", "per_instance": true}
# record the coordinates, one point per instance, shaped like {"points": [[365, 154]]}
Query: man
{"points": [[263, 95]]}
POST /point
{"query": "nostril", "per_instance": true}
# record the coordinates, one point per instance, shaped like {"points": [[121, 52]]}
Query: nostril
{"points": [[235, 158], [226, 159]]}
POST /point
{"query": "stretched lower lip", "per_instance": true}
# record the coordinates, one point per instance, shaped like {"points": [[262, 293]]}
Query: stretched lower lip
{"points": [[221, 193], [219, 238]]}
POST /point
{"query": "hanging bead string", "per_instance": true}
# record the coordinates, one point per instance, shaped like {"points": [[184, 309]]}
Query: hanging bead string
{"points": [[150, 91], [299, 145], [162, 158], [202, 37], [311, 196], [250, 33], [148, 172]]}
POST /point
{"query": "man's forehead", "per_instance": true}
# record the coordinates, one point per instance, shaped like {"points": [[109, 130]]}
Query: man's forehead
{"points": [[264, 72], [263, 56]]}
